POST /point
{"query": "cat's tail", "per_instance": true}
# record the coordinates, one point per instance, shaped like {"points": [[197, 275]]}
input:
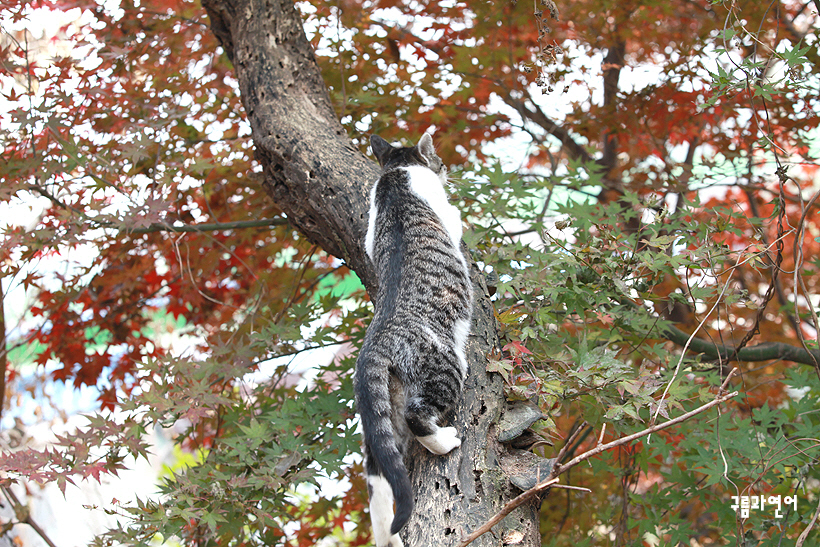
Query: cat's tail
{"points": [[382, 455]]}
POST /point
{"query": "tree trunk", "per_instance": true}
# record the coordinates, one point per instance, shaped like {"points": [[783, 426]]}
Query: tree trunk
{"points": [[321, 182]]}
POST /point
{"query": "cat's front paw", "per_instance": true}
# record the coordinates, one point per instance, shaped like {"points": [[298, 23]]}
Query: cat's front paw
{"points": [[442, 441]]}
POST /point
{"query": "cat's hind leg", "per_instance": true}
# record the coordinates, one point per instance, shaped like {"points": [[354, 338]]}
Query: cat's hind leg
{"points": [[422, 421], [434, 397]]}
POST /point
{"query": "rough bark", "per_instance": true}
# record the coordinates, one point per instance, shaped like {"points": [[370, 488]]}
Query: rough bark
{"points": [[312, 170], [321, 183], [457, 493]]}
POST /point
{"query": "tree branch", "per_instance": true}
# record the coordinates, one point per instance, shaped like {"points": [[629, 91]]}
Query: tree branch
{"points": [[4, 361], [612, 65], [212, 227], [312, 170], [538, 117], [558, 468], [760, 352], [802, 539], [23, 515]]}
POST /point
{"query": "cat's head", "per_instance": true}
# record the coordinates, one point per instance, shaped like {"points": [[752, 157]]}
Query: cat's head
{"points": [[423, 154]]}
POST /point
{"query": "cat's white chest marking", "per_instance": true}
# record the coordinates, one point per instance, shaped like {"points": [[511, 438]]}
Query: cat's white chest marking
{"points": [[428, 186], [371, 223]]}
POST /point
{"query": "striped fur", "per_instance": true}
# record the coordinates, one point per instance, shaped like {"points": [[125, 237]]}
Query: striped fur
{"points": [[411, 368]]}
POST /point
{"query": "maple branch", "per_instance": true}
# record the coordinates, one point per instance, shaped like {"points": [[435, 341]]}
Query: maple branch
{"points": [[4, 360], [45, 193], [558, 468], [538, 117], [23, 514], [762, 188], [778, 284], [175, 16], [761, 352], [405, 33], [212, 227], [798, 276]]}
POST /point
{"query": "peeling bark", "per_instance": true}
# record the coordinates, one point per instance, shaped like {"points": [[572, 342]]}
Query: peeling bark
{"points": [[321, 183]]}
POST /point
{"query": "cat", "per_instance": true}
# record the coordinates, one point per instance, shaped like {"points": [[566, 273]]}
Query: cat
{"points": [[411, 368]]}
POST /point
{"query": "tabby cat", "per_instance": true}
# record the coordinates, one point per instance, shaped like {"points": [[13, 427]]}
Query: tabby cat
{"points": [[411, 368]]}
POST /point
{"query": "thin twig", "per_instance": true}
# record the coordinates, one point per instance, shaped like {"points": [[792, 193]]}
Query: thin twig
{"points": [[809, 527], [570, 487], [798, 278], [623, 440], [689, 341], [726, 381], [569, 442], [738, 263]]}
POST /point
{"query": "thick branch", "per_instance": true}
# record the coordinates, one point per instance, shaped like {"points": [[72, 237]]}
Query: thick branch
{"points": [[312, 171], [612, 65], [210, 227], [761, 352], [574, 150]]}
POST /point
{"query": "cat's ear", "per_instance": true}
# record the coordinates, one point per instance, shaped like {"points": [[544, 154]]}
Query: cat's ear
{"points": [[425, 148], [380, 148]]}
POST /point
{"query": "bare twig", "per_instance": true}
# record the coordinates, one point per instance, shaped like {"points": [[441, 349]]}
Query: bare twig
{"points": [[799, 284], [726, 381], [623, 440], [570, 487], [507, 509], [809, 527], [569, 442]]}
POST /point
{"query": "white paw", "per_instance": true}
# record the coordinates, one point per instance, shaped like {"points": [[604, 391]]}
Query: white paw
{"points": [[442, 441]]}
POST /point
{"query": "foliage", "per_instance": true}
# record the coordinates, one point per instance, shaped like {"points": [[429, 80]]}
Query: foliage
{"points": [[659, 161]]}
